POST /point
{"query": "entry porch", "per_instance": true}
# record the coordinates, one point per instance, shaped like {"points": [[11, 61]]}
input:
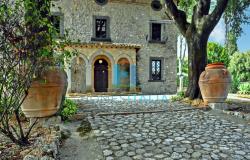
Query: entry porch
{"points": [[102, 68]]}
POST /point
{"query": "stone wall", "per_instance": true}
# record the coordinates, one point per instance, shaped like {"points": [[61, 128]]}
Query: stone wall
{"points": [[168, 53], [129, 23]]}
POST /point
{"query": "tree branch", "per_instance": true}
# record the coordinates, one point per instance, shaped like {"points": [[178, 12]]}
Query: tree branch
{"points": [[30, 128], [215, 16], [203, 8], [179, 16]]}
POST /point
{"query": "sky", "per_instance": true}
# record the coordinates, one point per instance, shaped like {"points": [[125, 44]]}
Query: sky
{"points": [[218, 35]]}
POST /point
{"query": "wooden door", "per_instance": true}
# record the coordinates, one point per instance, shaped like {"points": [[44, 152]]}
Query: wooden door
{"points": [[101, 76]]}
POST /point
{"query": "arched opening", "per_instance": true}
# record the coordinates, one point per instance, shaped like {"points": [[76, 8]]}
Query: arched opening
{"points": [[101, 75], [124, 74], [78, 75]]}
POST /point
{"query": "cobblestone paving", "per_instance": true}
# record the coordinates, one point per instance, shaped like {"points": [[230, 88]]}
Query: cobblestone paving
{"points": [[171, 135], [192, 134]]}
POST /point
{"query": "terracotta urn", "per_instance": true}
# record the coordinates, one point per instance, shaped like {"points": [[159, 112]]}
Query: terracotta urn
{"points": [[45, 94], [215, 83]]}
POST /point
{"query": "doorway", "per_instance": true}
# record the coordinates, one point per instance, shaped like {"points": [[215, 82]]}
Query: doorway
{"points": [[101, 75]]}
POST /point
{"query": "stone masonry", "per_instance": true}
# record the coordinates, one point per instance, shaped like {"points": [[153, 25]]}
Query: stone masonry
{"points": [[129, 25]]}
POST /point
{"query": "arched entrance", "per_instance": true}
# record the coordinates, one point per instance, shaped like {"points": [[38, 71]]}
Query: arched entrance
{"points": [[78, 75], [124, 74], [101, 75]]}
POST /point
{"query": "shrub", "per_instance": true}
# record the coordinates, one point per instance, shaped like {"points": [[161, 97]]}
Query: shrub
{"points": [[234, 86], [178, 97], [244, 88], [240, 69], [217, 53], [69, 109], [184, 71], [22, 38]]}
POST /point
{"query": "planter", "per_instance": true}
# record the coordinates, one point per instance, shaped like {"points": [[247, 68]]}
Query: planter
{"points": [[215, 83], [45, 95]]}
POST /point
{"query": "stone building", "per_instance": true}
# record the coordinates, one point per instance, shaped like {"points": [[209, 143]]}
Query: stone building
{"points": [[121, 45]]}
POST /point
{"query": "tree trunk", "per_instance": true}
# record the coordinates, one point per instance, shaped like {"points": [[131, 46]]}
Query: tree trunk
{"points": [[197, 60]]}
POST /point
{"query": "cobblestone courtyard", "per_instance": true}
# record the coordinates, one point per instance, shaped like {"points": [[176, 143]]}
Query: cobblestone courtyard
{"points": [[180, 134]]}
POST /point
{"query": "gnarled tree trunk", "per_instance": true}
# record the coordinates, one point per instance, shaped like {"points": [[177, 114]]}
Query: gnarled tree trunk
{"points": [[197, 60], [196, 33]]}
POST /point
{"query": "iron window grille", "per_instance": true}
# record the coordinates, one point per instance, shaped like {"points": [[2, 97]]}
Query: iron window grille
{"points": [[156, 70], [101, 30]]}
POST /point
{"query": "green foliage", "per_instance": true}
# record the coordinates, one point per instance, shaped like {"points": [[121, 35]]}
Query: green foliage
{"points": [[244, 88], [217, 53], [234, 86], [187, 6], [236, 15], [240, 69], [180, 96], [231, 43], [69, 109], [184, 70], [240, 66]]}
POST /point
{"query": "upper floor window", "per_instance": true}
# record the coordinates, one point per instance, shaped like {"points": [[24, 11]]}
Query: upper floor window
{"points": [[101, 31], [101, 28], [156, 32], [156, 69], [57, 22]]}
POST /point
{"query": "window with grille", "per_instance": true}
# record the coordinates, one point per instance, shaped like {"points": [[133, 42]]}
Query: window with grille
{"points": [[101, 31], [156, 65], [101, 28]]}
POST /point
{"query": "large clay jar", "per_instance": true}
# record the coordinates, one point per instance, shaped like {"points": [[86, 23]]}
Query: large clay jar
{"points": [[214, 83], [45, 94]]}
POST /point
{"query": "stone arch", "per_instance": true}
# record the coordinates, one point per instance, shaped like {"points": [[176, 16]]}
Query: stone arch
{"points": [[124, 56], [81, 56], [78, 74], [101, 52]]}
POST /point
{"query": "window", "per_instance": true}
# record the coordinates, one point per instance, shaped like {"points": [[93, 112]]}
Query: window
{"points": [[156, 69], [101, 29], [57, 21], [156, 30], [101, 2], [156, 5]]}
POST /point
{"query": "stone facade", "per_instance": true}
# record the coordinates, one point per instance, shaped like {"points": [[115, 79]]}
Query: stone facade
{"points": [[129, 29]]}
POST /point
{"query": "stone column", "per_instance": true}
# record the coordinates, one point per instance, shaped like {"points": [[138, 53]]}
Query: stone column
{"points": [[68, 71], [88, 78], [115, 77], [132, 77]]}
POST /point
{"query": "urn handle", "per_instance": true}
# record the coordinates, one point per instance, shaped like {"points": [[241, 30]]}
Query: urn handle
{"points": [[225, 72]]}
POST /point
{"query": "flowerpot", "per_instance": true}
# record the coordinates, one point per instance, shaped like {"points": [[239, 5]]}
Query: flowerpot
{"points": [[45, 95], [215, 83]]}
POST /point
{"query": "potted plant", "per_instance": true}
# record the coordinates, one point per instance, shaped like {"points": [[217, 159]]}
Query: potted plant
{"points": [[49, 85]]}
